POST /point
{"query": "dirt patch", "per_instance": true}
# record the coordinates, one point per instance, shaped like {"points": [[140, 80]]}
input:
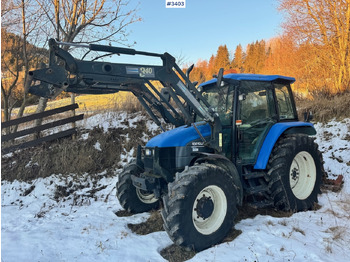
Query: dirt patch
{"points": [[233, 234], [123, 213], [76, 190], [174, 253], [246, 211], [153, 224]]}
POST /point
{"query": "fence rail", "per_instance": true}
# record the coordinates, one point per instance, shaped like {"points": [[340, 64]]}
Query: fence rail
{"points": [[36, 129]]}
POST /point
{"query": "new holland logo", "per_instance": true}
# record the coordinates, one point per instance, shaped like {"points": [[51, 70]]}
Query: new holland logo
{"points": [[197, 143]]}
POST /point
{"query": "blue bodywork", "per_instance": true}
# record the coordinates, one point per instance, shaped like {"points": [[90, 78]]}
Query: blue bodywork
{"points": [[274, 133], [183, 135], [251, 77], [180, 136]]}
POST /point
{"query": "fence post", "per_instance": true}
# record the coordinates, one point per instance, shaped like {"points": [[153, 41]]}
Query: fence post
{"points": [[72, 98], [41, 108]]}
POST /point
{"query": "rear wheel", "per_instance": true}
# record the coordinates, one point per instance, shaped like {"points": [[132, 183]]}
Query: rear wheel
{"points": [[200, 207], [295, 172], [131, 198]]}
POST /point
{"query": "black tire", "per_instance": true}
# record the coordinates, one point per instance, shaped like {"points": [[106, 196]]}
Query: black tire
{"points": [[200, 207], [295, 171], [132, 199]]}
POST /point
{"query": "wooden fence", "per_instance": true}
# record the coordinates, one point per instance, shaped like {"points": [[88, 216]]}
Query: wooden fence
{"points": [[37, 129]]}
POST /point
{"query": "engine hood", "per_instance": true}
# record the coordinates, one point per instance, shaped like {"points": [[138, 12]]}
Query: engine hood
{"points": [[179, 136]]}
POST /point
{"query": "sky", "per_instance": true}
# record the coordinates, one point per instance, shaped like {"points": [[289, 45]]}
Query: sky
{"points": [[195, 32]]}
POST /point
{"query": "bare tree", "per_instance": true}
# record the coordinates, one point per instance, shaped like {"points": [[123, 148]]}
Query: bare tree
{"points": [[88, 21], [80, 21], [9, 64], [9, 71], [18, 56]]}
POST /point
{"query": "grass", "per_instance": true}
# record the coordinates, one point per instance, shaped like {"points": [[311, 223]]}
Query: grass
{"points": [[92, 104], [77, 156], [325, 107]]}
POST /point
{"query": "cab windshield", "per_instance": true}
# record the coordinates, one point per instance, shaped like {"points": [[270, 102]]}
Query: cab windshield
{"points": [[221, 100]]}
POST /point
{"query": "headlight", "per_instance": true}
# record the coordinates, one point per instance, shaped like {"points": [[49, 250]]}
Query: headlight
{"points": [[148, 152]]}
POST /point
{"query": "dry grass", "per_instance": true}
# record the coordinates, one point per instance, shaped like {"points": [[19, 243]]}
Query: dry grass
{"points": [[92, 104], [69, 156], [325, 107]]}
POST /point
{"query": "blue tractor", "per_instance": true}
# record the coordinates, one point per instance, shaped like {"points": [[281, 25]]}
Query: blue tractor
{"points": [[237, 138]]}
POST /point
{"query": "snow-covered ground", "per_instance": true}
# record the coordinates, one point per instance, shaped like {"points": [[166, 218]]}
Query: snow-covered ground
{"points": [[39, 224]]}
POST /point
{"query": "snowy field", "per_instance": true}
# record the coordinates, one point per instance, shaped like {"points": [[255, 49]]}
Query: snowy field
{"points": [[38, 224]]}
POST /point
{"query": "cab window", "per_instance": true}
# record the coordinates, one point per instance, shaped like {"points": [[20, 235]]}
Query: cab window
{"points": [[284, 102]]}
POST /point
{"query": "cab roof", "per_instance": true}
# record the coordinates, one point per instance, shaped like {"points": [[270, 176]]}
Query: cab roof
{"points": [[252, 77]]}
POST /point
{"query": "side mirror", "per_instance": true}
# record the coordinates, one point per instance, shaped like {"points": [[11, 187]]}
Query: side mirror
{"points": [[220, 76], [308, 116], [188, 71]]}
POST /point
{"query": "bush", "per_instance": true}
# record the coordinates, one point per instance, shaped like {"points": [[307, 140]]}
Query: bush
{"points": [[325, 106]]}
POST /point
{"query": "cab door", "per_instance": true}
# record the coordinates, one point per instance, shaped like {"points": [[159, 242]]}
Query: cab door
{"points": [[257, 114]]}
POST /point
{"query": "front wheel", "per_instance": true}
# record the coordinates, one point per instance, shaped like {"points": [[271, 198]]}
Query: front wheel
{"points": [[295, 172], [131, 198], [200, 207]]}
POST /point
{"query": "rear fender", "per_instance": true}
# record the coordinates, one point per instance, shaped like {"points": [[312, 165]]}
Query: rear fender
{"points": [[224, 163], [274, 134]]}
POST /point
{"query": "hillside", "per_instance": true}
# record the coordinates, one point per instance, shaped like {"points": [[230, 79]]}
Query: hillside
{"points": [[75, 216]]}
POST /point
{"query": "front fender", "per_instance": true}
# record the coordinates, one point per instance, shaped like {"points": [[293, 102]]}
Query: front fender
{"points": [[275, 132]]}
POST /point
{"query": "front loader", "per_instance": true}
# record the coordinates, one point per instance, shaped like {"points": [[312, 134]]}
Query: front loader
{"points": [[236, 138]]}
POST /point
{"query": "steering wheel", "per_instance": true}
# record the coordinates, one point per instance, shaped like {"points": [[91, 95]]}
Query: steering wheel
{"points": [[260, 122]]}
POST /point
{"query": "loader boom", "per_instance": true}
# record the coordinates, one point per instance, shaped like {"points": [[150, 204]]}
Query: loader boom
{"points": [[66, 73]]}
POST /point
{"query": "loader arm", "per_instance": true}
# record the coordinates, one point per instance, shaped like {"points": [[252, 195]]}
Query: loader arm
{"points": [[66, 73]]}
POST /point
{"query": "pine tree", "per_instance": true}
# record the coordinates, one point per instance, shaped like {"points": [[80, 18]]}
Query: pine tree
{"points": [[211, 68], [222, 59], [237, 61]]}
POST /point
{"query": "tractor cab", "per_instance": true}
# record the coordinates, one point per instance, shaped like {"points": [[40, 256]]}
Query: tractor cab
{"points": [[248, 106]]}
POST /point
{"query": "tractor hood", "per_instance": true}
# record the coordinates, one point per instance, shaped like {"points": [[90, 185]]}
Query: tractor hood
{"points": [[180, 136]]}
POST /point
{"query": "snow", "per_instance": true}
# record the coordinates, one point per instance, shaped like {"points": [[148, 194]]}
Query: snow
{"points": [[116, 119], [39, 228], [97, 146], [334, 141], [36, 225]]}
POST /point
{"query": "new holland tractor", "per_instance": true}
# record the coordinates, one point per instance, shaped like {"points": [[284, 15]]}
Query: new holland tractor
{"points": [[236, 138]]}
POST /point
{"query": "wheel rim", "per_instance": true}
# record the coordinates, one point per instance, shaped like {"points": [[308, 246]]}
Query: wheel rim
{"points": [[209, 210], [146, 197], [302, 175]]}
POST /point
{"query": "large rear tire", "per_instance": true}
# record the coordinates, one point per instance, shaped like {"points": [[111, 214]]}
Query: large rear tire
{"points": [[131, 198], [200, 207], [295, 172]]}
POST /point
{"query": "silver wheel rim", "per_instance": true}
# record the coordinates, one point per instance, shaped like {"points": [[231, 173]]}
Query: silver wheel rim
{"points": [[210, 224], [146, 197], [302, 175]]}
